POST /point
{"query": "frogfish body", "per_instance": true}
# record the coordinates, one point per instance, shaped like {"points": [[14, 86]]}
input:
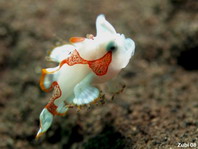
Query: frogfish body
{"points": [[82, 64]]}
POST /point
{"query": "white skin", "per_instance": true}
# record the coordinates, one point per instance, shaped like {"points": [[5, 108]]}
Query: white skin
{"points": [[75, 79]]}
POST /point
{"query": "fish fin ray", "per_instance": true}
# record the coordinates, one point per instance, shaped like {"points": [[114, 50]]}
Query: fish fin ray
{"points": [[85, 95], [84, 92]]}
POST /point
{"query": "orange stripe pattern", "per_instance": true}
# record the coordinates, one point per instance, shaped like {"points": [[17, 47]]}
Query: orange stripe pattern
{"points": [[98, 66]]}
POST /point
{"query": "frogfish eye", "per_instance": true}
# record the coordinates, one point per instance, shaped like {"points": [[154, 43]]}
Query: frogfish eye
{"points": [[111, 47]]}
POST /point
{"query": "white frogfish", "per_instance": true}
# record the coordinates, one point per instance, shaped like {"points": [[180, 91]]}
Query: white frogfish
{"points": [[83, 63]]}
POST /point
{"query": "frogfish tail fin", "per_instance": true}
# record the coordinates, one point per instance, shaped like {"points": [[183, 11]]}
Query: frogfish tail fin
{"points": [[46, 119]]}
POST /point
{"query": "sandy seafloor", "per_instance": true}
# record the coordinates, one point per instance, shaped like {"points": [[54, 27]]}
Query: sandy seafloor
{"points": [[159, 106]]}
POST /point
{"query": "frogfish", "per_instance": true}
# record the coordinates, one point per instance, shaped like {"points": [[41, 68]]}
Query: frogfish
{"points": [[82, 64]]}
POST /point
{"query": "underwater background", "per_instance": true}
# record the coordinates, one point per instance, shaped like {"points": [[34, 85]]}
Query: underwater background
{"points": [[157, 109]]}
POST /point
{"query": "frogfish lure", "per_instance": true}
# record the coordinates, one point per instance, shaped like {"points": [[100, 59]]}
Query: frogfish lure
{"points": [[83, 63]]}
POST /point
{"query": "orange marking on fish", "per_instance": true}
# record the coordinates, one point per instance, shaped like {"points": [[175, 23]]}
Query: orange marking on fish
{"points": [[98, 66], [76, 39], [43, 74], [51, 107], [39, 135]]}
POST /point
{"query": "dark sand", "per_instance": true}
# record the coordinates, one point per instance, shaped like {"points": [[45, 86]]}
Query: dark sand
{"points": [[158, 108]]}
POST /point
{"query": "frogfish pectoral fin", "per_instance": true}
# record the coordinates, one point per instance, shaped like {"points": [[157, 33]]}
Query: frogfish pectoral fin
{"points": [[84, 92], [88, 95], [46, 119]]}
